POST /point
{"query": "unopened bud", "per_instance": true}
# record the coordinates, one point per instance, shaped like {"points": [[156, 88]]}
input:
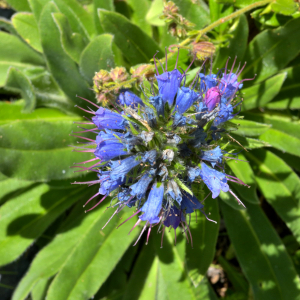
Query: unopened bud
{"points": [[143, 71], [119, 74], [202, 49]]}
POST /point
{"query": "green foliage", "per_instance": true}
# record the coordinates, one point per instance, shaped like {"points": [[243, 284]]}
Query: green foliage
{"points": [[50, 52]]}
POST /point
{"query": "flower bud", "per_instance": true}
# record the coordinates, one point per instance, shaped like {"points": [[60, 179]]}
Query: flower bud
{"points": [[119, 74], [202, 49], [212, 98]]}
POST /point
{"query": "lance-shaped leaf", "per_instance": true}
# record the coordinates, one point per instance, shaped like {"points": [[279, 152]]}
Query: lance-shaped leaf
{"points": [[18, 82], [250, 128], [271, 50], [72, 42], [103, 4], [27, 28], [154, 13], [204, 235], [288, 97], [94, 258], [242, 170], [280, 185], [135, 45], [13, 52], [256, 243], [96, 56], [259, 95], [237, 44], [36, 146], [19, 5], [25, 217], [63, 68]]}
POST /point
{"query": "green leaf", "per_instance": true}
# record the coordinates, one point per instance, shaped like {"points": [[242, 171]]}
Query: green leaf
{"points": [[280, 185], [218, 11], [17, 82], [292, 160], [13, 52], [236, 278], [62, 67], [139, 12], [72, 42], [243, 171], [27, 28], [7, 26], [183, 186], [154, 12], [95, 256], [136, 46], [248, 143], [40, 289], [250, 128], [271, 50], [284, 134], [284, 7], [288, 97], [231, 201], [195, 12], [36, 146], [80, 19], [204, 235], [104, 4], [259, 95], [19, 5], [96, 56], [237, 44], [25, 217], [257, 244]]}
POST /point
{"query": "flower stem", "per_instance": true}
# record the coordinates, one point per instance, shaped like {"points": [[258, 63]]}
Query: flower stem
{"points": [[231, 16]]}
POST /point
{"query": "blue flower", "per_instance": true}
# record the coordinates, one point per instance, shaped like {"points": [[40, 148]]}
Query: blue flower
{"points": [[189, 203], [128, 98], [120, 168], [174, 217], [168, 84], [149, 154], [109, 146], [185, 98], [153, 205], [106, 119], [173, 191], [159, 104], [213, 156], [215, 180], [225, 114], [139, 189]]}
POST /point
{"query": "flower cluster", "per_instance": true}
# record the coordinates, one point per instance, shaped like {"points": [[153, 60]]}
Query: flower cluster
{"points": [[156, 151]]}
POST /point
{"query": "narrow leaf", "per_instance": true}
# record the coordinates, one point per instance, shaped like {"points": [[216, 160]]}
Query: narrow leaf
{"points": [[135, 45]]}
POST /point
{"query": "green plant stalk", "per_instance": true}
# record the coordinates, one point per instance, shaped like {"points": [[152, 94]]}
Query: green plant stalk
{"points": [[230, 17], [221, 21]]}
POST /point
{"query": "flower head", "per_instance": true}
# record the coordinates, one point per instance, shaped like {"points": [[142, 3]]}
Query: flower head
{"points": [[151, 152]]}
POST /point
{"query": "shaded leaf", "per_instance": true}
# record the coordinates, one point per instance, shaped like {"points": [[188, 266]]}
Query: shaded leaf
{"points": [[204, 235], [261, 94], [7, 26], [13, 52], [242, 170], [35, 146], [135, 45], [250, 128], [27, 28], [271, 50], [248, 143], [280, 185], [231, 201], [96, 56], [218, 11], [257, 244], [288, 97], [237, 44], [40, 289], [17, 82], [285, 7], [25, 217], [97, 254]]}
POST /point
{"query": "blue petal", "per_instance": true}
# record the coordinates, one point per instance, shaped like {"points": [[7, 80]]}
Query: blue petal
{"points": [[158, 103], [190, 203], [139, 189], [174, 217], [152, 206], [106, 119], [185, 98], [128, 98], [120, 168], [213, 156]]}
